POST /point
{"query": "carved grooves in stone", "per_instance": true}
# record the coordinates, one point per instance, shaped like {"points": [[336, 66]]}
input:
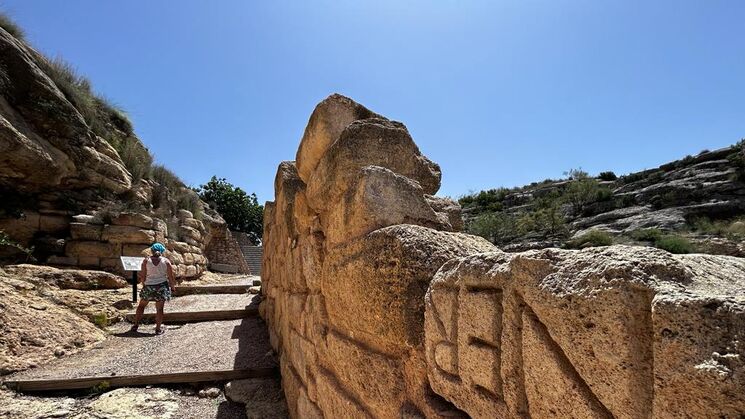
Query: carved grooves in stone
{"points": [[449, 343], [565, 364], [643, 388]]}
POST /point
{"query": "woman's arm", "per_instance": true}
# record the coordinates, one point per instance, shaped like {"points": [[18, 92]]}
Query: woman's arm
{"points": [[171, 276], [143, 271]]}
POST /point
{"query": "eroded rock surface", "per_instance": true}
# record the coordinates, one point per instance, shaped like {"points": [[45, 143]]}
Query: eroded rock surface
{"points": [[623, 332]]}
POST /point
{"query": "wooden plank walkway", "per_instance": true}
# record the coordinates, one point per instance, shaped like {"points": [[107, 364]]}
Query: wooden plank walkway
{"points": [[207, 347]]}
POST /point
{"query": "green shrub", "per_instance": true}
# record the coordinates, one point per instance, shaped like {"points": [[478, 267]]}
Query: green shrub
{"points": [[5, 240], [9, 25], [674, 244], [592, 238], [101, 320], [607, 176], [733, 229], [240, 210], [496, 227]]}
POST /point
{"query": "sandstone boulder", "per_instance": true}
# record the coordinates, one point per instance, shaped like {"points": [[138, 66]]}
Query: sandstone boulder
{"points": [[48, 146], [369, 142], [621, 332], [127, 234], [326, 123], [133, 219], [375, 286], [68, 278]]}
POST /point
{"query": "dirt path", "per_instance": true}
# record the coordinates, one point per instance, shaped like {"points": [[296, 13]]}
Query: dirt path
{"points": [[208, 352]]}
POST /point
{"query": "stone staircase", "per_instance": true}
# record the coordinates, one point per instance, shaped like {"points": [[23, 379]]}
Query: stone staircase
{"points": [[253, 255], [213, 333]]}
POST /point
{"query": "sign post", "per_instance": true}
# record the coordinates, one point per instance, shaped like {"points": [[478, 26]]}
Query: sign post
{"points": [[133, 264]]}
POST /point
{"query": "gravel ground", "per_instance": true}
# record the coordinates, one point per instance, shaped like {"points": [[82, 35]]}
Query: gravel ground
{"points": [[208, 302], [211, 278], [208, 346], [141, 403]]}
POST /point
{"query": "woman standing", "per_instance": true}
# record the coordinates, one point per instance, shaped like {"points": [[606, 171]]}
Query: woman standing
{"points": [[156, 275]]}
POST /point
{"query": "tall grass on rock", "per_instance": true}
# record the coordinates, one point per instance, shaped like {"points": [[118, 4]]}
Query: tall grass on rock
{"points": [[11, 27], [593, 238]]}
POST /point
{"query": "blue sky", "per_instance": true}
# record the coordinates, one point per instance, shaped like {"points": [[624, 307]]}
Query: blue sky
{"points": [[500, 93]]}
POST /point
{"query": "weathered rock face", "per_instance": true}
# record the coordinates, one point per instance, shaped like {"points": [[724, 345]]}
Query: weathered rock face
{"points": [[57, 173], [347, 261], [45, 143], [623, 332], [351, 248]]}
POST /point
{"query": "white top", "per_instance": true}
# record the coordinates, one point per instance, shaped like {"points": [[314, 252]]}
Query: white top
{"points": [[156, 274]]}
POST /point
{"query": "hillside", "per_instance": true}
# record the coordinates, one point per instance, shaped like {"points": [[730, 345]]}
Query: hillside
{"points": [[696, 204], [78, 187]]}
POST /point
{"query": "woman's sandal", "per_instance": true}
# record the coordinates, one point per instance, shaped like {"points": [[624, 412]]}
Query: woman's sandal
{"points": [[160, 331], [134, 327]]}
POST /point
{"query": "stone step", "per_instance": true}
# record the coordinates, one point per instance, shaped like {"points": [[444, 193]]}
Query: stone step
{"points": [[139, 380], [198, 316]]}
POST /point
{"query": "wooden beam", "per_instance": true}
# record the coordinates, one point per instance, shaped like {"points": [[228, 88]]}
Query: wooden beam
{"points": [[211, 289], [199, 316], [139, 380]]}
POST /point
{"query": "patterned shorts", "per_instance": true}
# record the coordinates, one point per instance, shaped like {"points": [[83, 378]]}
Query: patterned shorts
{"points": [[157, 292]]}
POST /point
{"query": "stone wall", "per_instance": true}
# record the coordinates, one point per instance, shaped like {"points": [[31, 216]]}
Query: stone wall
{"points": [[224, 253], [97, 244], [347, 262], [378, 309]]}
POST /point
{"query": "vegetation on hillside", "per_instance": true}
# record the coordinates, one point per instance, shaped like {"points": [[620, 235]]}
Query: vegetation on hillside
{"points": [[240, 210], [493, 215]]}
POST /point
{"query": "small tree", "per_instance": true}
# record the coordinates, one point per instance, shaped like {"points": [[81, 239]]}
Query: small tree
{"points": [[240, 210]]}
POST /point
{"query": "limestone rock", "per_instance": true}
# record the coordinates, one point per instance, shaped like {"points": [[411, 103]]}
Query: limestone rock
{"points": [[326, 123], [606, 332], [85, 231], [127, 234], [49, 146], [30, 336], [369, 142], [133, 219], [375, 286], [68, 278], [378, 198]]}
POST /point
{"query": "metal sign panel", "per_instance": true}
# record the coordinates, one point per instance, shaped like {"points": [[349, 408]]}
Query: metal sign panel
{"points": [[132, 263]]}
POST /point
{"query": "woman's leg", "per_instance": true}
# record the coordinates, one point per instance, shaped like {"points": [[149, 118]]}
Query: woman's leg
{"points": [[159, 314], [139, 312]]}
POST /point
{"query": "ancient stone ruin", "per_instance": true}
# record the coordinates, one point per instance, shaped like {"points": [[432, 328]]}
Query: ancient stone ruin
{"points": [[379, 307]]}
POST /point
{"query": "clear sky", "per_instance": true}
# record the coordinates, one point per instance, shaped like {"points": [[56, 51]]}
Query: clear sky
{"points": [[500, 93]]}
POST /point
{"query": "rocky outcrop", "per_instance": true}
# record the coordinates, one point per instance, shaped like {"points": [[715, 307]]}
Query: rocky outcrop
{"points": [[45, 143], [66, 191], [378, 310], [622, 332], [672, 198]]}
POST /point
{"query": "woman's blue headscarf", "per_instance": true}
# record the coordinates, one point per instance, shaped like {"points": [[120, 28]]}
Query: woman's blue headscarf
{"points": [[157, 247]]}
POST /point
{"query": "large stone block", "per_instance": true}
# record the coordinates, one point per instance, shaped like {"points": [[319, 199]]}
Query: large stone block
{"points": [[375, 285], [372, 376], [378, 198], [616, 332], [93, 249], [127, 234], [54, 223], [23, 229], [326, 123], [133, 219], [369, 142], [142, 249], [84, 231]]}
